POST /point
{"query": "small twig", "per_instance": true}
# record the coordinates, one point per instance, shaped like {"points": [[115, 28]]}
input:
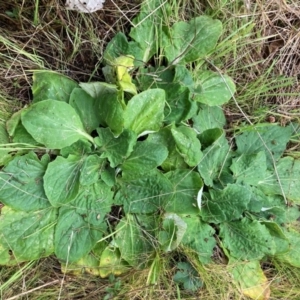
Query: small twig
{"points": [[32, 290]]}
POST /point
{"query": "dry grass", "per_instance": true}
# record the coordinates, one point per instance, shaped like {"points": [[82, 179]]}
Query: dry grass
{"points": [[260, 51]]}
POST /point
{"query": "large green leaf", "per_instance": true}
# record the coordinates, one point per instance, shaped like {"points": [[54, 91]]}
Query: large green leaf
{"points": [[26, 235], [187, 144], [145, 111], [115, 149], [292, 256], [247, 240], [110, 104], [61, 180], [189, 41], [133, 242], [74, 237], [214, 163], [87, 108], [91, 169], [225, 205], [209, 117], [93, 202], [186, 186], [199, 238], [271, 139], [51, 85], [146, 193], [145, 157], [21, 183], [249, 168], [213, 89], [285, 181], [54, 124]]}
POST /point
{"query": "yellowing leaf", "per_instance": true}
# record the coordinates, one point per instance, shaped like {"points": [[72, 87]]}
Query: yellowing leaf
{"points": [[251, 279], [111, 263], [123, 65], [88, 264]]}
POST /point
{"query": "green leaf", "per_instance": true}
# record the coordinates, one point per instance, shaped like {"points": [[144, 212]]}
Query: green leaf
{"points": [[213, 89], [280, 239], [173, 229], [51, 85], [74, 238], [292, 256], [209, 117], [215, 158], [108, 175], [93, 202], [209, 136], [249, 168], [199, 238], [87, 109], [5, 157], [288, 170], [5, 154], [61, 180], [110, 104], [180, 106], [54, 124], [144, 194], [13, 122], [174, 160], [145, 111], [187, 144], [91, 169], [146, 156], [183, 76], [247, 240], [284, 180], [22, 136], [189, 41], [116, 47], [225, 205], [79, 148], [26, 235], [133, 242], [115, 149], [147, 26], [186, 185], [187, 276], [21, 183], [271, 139], [273, 208]]}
